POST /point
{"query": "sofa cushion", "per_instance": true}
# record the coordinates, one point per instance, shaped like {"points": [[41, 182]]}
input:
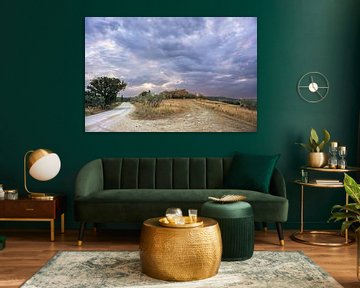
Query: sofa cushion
{"points": [[266, 207], [251, 172]]}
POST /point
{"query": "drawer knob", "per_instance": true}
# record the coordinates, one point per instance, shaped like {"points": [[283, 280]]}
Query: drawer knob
{"points": [[29, 209]]}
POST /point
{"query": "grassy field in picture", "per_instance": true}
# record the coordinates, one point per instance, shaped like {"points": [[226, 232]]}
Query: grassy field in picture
{"points": [[166, 108]]}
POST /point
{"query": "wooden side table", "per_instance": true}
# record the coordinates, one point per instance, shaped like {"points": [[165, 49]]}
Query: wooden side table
{"points": [[26, 209]]}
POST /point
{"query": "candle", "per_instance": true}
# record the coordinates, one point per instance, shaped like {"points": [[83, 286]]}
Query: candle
{"points": [[333, 144], [342, 149], [342, 154]]}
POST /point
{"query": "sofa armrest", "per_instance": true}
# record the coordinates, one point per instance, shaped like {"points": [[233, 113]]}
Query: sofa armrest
{"points": [[89, 179], [277, 184]]}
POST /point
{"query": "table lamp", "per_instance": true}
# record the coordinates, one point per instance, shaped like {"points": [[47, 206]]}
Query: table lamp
{"points": [[43, 165]]}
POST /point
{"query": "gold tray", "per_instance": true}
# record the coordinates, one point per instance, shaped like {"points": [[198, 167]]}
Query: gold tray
{"points": [[228, 198], [165, 222]]}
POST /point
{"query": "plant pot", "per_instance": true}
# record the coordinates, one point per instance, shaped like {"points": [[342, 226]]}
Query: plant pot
{"points": [[317, 159]]}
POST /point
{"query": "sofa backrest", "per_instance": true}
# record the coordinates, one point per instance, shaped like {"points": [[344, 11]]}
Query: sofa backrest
{"points": [[165, 173]]}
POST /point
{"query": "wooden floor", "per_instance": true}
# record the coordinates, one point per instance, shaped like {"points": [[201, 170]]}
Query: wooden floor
{"points": [[28, 250]]}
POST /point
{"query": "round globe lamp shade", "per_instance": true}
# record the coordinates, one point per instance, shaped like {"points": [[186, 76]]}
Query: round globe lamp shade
{"points": [[44, 164]]}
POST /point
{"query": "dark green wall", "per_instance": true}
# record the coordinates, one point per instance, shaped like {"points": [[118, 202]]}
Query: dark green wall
{"points": [[42, 82]]}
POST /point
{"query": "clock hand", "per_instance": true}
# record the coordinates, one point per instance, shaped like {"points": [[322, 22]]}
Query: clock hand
{"points": [[321, 96], [312, 82]]}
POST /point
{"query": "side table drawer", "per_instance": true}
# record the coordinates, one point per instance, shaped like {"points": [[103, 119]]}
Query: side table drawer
{"points": [[30, 209]]}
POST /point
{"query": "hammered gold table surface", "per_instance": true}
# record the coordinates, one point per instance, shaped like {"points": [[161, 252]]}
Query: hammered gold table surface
{"points": [[180, 254]]}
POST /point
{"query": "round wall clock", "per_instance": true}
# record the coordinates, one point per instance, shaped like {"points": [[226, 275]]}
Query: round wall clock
{"points": [[313, 87]]}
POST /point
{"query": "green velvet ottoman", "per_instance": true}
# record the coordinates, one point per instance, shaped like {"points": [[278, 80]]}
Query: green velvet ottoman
{"points": [[236, 221]]}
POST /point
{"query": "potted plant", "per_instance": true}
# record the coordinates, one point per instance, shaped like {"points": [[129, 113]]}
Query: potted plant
{"points": [[317, 157], [350, 214]]}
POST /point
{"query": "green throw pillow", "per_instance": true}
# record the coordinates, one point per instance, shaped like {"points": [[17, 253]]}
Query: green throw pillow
{"points": [[251, 172]]}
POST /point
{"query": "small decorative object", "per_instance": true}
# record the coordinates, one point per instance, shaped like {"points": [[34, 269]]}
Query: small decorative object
{"points": [[2, 242], [349, 213], [342, 153], [317, 158], [11, 194], [186, 224], [333, 147], [173, 215], [313, 87], [179, 220], [43, 165], [304, 176], [2, 192], [193, 215], [228, 198]]}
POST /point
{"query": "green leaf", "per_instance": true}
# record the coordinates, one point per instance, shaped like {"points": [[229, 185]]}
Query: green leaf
{"points": [[353, 210], [326, 136], [312, 144], [350, 207], [321, 146], [312, 141], [314, 135], [336, 216], [337, 206], [306, 146], [352, 188], [346, 225]]}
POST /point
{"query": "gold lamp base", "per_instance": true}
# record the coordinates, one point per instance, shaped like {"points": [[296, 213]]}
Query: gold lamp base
{"points": [[41, 196]]}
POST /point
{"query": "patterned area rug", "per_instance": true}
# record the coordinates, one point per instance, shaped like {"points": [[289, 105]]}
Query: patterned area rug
{"points": [[122, 269]]}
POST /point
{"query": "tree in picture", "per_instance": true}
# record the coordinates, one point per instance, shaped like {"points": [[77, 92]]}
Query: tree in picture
{"points": [[102, 91]]}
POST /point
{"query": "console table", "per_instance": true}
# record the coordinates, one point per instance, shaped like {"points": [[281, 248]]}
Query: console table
{"points": [[27, 209], [297, 235]]}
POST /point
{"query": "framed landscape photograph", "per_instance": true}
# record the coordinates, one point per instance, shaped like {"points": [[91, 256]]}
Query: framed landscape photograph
{"points": [[170, 74]]}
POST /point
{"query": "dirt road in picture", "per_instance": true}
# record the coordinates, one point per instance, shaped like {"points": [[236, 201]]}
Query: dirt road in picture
{"points": [[196, 118], [101, 121]]}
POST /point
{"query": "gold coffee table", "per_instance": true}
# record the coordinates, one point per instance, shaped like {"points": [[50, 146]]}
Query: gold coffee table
{"points": [[180, 254]]}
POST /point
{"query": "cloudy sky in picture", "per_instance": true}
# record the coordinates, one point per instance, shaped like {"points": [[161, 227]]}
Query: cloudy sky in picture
{"points": [[213, 56]]}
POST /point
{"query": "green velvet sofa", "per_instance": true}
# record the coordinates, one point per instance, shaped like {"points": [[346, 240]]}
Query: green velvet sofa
{"points": [[130, 190]]}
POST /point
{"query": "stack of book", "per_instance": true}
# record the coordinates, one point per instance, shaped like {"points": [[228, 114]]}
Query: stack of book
{"points": [[327, 181]]}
